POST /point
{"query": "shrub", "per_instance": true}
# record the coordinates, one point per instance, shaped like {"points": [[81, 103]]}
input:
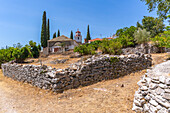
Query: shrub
{"points": [[86, 49], [111, 46], [142, 36]]}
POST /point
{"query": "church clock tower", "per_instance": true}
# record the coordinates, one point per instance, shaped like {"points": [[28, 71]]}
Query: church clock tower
{"points": [[78, 37]]}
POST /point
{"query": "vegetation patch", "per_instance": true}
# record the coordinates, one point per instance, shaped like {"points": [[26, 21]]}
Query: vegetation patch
{"points": [[114, 60]]}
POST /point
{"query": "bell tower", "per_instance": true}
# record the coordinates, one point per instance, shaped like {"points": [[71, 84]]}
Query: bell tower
{"points": [[78, 37]]}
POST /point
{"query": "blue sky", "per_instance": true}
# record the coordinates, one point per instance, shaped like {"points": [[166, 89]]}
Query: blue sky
{"points": [[20, 20]]}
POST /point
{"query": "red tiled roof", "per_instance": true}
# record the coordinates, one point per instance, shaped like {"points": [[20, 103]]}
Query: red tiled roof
{"points": [[78, 32], [95, 39]]}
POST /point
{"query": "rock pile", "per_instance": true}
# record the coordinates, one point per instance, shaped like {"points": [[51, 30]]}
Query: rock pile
{"points": [[153, 95], [82, 73]]}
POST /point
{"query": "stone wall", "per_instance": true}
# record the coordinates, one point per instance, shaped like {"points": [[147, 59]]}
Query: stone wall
{"points": [[147, 49], [83, 73], [153, 95]]}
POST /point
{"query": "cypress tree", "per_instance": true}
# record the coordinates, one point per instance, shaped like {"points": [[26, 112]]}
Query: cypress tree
{"points": [[88, 35], [58, 34], [54, 35], [71, 35], [44, 32], [48, 29]]}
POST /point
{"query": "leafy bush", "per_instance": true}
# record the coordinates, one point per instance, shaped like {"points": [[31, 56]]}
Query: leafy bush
{"points": [[162, 40], [106, 46], [111, 46], [86, 49]]}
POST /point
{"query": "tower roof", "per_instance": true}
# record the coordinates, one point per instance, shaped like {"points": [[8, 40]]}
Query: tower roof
{"points": [[78, 31]]}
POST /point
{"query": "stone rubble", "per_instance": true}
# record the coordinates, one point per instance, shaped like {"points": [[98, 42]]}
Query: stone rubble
{"points": [[153, 95], [82, 73]]}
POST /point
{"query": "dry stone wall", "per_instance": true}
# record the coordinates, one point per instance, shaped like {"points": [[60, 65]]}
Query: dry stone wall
{"points": [[83, 73], [153, 95]]}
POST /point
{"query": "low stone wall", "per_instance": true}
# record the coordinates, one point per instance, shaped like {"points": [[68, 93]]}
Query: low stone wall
{"points": [[153, 95], [83, 73]]}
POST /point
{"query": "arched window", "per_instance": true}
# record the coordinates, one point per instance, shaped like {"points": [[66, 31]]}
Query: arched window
{"points": [[78, 38]]}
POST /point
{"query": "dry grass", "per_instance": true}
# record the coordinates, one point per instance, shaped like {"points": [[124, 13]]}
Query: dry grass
{"points": [[109, 98], [46, 61]]}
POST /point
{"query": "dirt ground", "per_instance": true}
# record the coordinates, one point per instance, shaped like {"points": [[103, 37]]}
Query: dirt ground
{"points": [[47, 61], [112, 96]]}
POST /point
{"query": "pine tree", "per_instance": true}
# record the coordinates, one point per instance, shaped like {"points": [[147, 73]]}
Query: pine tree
{"points": [[54, 35], [58, 34], [71, 35], [48, 29], [88, 35], [44, 32]]}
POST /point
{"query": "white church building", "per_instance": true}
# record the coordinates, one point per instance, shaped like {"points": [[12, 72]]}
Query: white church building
{"points": [[63, 43]]}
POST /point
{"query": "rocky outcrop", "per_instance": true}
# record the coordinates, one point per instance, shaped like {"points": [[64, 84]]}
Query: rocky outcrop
{"points": [[153, 95], [83, 73]]}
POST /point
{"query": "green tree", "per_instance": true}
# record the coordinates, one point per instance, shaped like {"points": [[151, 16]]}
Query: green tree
{"points": [[71, 35], [31, 43], [126, 37], [153, 25], [48, 29], [58, 34], [139, 25], [18, 45], [163, 6], [20, 54], [54, 35], [44, 32], [39, 47], [34, 49], [142, 36], [88, 35]]}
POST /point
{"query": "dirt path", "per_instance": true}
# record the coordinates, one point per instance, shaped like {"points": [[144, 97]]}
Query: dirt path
{"points": [[113, 96]]}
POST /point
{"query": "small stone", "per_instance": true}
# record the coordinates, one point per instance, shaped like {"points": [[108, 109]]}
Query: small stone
{"points": [[165, 104], [55, 80], [155, 78], [144, 88], [166, 96], [158, 107], [169, 110], [162, 79], [145, 108], [143, 101], [163, 86], [153, 102], [163, 110], [153, 109], [137, 103], [167, 90], [168, 81], [153, 86], [159, 91], [147, 98], [137, 109], [155, 81]]}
